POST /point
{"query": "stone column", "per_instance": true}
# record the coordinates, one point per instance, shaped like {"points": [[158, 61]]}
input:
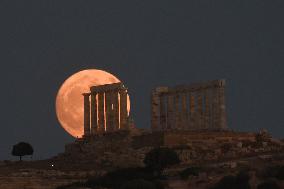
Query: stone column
{"points": [[222, 106], [101, 112], [155, 105], [170, 112], [123, 109], [199, 114], [115, 110], [192, 110], [192, 103], [215, 108], [207, 109], [177, 112], [184, 110], [108, 110], [163, 116], [200, 102], [86, 114], [94, 111]]}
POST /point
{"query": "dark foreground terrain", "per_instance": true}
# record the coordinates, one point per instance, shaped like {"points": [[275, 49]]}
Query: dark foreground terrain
{"points": [[257, 170]]}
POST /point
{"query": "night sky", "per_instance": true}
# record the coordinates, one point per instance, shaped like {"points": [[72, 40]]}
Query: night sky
{"points": [[145, 44]]}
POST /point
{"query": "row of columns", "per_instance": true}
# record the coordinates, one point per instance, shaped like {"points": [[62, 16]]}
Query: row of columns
{"points": [[105, 111], [192, 109]]}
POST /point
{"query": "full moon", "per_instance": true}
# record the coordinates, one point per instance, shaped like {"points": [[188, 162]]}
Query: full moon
{"points": [[70, 102]]}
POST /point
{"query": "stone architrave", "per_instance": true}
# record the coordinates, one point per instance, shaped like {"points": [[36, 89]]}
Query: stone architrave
{"points": [[94, 114], [86, 114], [101, 112]]}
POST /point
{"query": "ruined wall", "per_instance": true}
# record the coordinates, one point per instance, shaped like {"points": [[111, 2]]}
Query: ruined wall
{"points": [[120, 149], [173, 138], [155, 139], [176, 138], [108, 150], [199, 106]]}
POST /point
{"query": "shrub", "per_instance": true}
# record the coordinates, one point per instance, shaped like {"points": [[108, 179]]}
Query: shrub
{"points": [[268, 185], [273, 172], [138, 184], [225, 183], [71, 186], [160, 158], [226, 147], [191, 171], [22, 149], [120, 178], [280, 173], [241, 181], [116, 179]]}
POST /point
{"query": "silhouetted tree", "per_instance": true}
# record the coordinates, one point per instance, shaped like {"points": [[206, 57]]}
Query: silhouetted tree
{"points": [[22, 149], [160, 158]]}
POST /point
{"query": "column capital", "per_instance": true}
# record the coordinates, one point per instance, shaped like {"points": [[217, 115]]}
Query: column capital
{"points": [[86, 94], [122, 89]]}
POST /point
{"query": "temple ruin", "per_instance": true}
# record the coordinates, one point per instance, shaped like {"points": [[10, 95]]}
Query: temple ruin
{"points": [[199, 106], [190, 119], [105, 109]]}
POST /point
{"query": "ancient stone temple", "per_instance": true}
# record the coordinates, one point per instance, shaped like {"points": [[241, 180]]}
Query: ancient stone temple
{"points": [[105, 109], [190, 119], [199, 106]]}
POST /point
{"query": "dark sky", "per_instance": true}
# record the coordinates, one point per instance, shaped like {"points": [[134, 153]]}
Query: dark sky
{"points": [[145, 44]]}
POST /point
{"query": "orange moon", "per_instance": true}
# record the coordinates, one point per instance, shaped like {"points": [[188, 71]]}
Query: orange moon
{"points": [[70, 101]]}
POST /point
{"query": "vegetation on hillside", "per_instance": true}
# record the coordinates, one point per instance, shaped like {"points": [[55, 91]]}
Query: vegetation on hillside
{"points": [[22, 149]]}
